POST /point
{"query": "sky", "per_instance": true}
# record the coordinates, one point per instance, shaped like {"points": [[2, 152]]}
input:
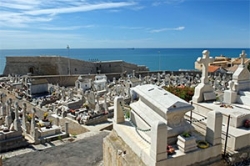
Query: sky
{"points": [[34, 24]]}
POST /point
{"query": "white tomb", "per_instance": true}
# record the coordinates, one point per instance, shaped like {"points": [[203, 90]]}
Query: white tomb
{"points": [[83, 83], [156, 120], [100, 82], [156, 103], [235, 105]]}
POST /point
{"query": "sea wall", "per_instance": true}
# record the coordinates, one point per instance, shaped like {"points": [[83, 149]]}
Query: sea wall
{"points": [[118, 67], [47, 65], [57, 65]]}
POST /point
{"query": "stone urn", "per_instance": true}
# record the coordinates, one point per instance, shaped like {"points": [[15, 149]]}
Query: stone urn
{"points": [[186, 143]]}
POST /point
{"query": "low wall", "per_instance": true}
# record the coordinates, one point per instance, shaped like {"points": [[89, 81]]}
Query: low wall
{"points": [[116, 152]]}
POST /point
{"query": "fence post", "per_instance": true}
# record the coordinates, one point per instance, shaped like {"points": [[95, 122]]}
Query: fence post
{"points": [[225, 146]]}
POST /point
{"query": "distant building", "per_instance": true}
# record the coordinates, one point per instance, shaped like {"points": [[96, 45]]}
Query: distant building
{"points": [[223, 64], [57, 65]]}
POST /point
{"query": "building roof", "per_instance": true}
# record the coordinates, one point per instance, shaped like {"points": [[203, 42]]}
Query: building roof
{"points": [[212, 69], [238, 61], [232, 69]]}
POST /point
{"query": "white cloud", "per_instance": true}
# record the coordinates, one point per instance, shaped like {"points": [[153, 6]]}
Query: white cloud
{"points": [[167, 29], [19, 13], [83, 8]]}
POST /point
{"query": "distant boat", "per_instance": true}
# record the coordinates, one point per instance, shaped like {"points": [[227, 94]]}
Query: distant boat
{"points": [[131, 48]]}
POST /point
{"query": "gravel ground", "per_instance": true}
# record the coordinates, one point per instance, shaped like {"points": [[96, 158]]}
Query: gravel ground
{"points": [[87, 151]]}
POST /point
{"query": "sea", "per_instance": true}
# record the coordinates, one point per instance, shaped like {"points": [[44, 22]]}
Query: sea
{"points": [[156, 59]]}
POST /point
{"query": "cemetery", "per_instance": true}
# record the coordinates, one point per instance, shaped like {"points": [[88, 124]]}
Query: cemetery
{"points": [[210, 121]]}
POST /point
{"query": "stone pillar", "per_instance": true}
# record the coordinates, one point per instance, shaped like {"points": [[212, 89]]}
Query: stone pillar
{"points": [[118, 112], [57, 121], [17, 123], [7, 105], [214, 127], [105, 105], [133, 75], [33, 123], [158, 149], [35, 137], [8, 119], [53, 107], [67, 128], [3, 110], [24, 116]]}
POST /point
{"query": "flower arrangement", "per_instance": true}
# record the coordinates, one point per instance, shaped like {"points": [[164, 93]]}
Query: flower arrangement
{"points": [[45, 115], [85, 105], [170, 150], [246, 123], [29, 117]]}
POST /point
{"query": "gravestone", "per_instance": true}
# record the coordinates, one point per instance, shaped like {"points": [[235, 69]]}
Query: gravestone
{"points": [[204, 91], [239, 87]]}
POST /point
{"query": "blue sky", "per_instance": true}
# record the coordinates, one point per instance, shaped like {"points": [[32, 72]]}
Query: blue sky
{"points": [[124, 24]]}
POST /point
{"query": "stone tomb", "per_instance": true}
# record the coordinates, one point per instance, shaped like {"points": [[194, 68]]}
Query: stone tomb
{"points": [[156, 120], [239, 87], [235, 104], [156, 103]]}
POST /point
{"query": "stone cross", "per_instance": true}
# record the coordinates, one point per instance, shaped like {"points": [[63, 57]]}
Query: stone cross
{"points": [[243, 56], [205, 61]]}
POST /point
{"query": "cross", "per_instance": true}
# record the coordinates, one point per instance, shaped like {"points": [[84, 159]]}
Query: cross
{"points": [[243, 56], [205, 61]]}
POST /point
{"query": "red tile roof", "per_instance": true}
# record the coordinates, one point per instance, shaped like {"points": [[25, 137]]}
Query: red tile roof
{"points": [[212, 69]]}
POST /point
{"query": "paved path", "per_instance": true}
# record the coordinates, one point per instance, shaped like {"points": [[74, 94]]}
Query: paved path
{"points": [[86, 149]]}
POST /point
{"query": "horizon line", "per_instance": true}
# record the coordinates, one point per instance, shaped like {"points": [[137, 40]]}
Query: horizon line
{"points": [[132, 48]]}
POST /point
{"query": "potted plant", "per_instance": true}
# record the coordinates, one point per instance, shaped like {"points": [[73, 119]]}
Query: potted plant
{"points": [[186, 142], [186, 134]]}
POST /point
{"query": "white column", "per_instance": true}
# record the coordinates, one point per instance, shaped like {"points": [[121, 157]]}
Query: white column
{"points": [[214, 127], [33, 123], [118, 112], [158, 149]]}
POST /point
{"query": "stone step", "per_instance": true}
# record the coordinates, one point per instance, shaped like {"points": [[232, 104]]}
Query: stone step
{"points": [[244, 93]]}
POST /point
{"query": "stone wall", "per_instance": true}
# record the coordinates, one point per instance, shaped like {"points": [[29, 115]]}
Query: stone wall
{"points": [[116, 152], [118, 67], [36, 65], [57, 65]]}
